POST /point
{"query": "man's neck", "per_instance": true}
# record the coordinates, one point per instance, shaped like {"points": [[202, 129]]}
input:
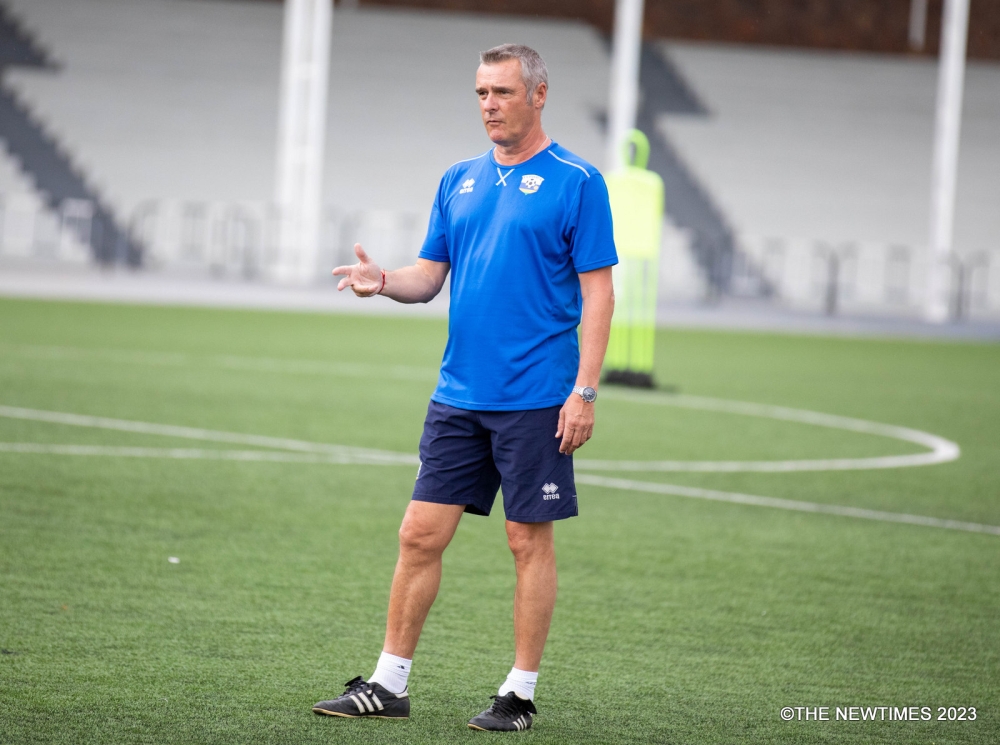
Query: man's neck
{"points": [[526, 149]]}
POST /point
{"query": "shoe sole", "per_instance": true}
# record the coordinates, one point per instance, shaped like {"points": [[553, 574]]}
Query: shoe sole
{"points": [[353, 716], [483, 729]]}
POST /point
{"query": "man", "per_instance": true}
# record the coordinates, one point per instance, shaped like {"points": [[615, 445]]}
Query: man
{"points": [[525, 229]]}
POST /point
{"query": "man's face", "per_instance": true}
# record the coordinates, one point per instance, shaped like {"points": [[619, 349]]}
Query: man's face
{"points": [[503, 101]]}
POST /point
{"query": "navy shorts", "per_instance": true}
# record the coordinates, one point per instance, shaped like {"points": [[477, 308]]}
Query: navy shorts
{"points": [[465, 456]]}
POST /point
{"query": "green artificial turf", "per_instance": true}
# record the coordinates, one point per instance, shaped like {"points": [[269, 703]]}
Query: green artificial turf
{"points": [[679, 620]]}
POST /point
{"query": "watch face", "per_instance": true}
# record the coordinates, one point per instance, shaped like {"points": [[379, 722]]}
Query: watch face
{"points": [[589, 394]]}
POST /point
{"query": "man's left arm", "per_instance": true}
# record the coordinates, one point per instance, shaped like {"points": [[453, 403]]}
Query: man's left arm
{"points": [[576, 418]]}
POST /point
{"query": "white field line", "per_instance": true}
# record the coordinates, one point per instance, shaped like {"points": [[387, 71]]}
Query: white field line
{"points": [[941, 450], [784, 504], [271, 456], [313, 452], [230, 362], [266, 456], [349, 454]]}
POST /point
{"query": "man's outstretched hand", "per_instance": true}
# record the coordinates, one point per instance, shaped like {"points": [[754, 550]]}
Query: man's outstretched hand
{"points": [[365, 277], [576, 423]]}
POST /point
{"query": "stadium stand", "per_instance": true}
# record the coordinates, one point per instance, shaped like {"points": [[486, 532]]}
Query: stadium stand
{"points": [[191, 117], [822, 158], [689, 206], [59, 184], [798, 175]]}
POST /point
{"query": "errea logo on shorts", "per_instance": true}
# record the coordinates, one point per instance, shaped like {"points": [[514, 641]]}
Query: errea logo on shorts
{"points": [[467, 186], [550, 491]]}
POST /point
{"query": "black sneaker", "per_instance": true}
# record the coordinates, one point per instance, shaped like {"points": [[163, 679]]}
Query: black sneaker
{"points": [[509, 713], [363, 699]]}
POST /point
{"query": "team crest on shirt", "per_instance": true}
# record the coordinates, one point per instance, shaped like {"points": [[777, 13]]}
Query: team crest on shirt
{"points": [[530, 183]]}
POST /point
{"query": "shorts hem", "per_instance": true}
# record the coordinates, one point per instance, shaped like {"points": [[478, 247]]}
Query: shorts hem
{"points": [[457, 501], [540, 518]]}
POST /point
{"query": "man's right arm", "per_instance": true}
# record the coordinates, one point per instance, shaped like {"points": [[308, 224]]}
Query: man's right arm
{"points": [[418, 283]]}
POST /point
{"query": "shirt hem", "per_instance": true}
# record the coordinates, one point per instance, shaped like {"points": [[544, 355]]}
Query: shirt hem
{"points": [[520, 406]]}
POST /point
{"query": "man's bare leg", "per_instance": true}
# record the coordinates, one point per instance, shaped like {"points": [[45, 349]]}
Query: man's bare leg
{"points": [[426, 531], [534, 552], [533, 546]]}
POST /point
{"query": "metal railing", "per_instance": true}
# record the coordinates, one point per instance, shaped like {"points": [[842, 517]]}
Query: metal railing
{"points": [[221, 239], [240, 240], [860, 276]]}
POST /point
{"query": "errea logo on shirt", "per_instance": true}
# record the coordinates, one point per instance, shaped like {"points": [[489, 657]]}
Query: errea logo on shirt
{"points": [[467, 186], [550, 491], [530, 183]]}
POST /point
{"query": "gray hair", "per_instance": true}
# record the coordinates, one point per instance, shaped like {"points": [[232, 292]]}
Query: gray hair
{"points": [[533, 71]]}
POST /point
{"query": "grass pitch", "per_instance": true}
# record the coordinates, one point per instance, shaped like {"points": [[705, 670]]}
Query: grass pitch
{"points": [[679, 620]]}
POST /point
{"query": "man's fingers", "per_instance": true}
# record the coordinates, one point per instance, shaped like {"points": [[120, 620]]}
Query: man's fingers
{"points": [[566, 446], [360, 253], [575, 436], [356, 280], [576, 425], [577, 439]]}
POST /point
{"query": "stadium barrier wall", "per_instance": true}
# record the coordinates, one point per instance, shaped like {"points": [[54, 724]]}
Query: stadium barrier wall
{"points": [[239, 240], [221, 239]]}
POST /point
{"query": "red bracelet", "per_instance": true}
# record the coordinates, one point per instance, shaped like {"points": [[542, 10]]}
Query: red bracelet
{"points": [[383, 284]]}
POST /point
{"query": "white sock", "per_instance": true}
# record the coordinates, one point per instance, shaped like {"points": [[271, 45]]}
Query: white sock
{"points": [[391, 672], [521, 682]]}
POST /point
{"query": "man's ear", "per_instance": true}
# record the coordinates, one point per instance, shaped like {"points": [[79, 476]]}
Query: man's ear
{"points": [[540, 94]]}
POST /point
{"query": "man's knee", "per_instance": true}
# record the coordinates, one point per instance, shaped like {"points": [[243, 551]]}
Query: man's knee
{"points": [[419, 540], [528, 541], [424, 533]]}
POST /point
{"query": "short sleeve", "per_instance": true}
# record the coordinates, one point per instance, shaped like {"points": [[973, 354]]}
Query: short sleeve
{"points": [[435, 246], [592, 241]]}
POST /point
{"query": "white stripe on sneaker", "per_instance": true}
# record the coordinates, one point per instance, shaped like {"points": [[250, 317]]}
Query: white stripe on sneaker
{"points": [[364, 698], [357, 703], [377, 702]]}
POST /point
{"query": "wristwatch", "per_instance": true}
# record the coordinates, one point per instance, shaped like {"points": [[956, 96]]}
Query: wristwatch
{"points": [[588, 394]]}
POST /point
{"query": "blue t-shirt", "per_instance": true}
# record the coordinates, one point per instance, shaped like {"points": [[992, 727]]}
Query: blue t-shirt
{"points": [[516, 238]]}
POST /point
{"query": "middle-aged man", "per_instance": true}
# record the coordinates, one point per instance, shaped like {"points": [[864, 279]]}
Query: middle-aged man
{"points": [[525, 229]]}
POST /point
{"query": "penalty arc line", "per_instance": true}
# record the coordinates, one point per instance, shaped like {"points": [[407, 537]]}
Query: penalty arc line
{"points": [[941, 450], [675, 490], [312, 452]]}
